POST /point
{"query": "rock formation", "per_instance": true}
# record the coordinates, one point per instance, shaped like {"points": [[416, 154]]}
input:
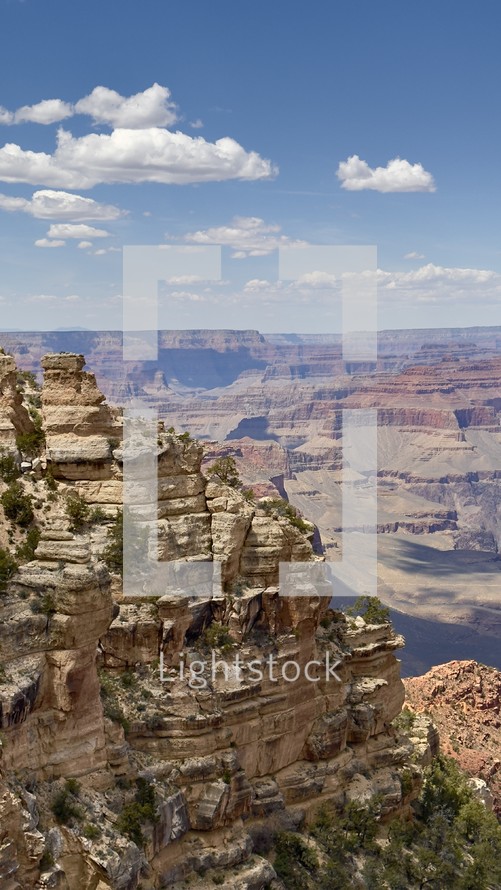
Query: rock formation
{"points": [[14, 417], [464, 700], [143, 738]]}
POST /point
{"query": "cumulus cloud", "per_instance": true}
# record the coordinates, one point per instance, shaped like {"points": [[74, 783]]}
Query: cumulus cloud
{"points": [[196, 125], [148, 155], [50, 204], [84, 245], [49, 111], [79, 230], [436, 284], [398, 176], [413, 255], [6, 117], [46, 242], [247, 235], [151, 108]]}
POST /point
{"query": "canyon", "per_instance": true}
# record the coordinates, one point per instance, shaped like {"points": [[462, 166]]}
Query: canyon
{"points": [[276, 404], [121, 766]]}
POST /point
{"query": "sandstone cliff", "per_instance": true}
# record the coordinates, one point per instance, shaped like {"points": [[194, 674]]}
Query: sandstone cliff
{"points": [[143, 740]]}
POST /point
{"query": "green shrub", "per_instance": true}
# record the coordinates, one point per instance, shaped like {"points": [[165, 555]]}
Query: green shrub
{"points": [[217, 636], [17, 505], [30, 444], [91, 832], [372, 610], [128, 679], [26, 551], [44, 605], [97, 516], [294, 860], [225, 469], [50, 480], [288, 511], [9, 469], [140, 811], [405, 720], [111, 706], [28, 377], [113, 553], [8, 568], [77, 510], [72, 786], [47, 861], [64, 808]]}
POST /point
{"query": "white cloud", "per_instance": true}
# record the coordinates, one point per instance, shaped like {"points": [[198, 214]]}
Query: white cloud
{"points": [[188, 296], [83, 245], [247, 235], [398, 176], [413, 255], [49, 111], [6, 117], [184, 279], [196, 125], [80, 230], [50, 204], [150, 155], [103, 250], [46, 242], [439, 284], [151, 108], [318, 279]]}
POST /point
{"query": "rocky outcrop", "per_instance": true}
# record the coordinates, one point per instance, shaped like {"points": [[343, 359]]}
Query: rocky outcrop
{"points": [[81, 430], [464, 700], [14, 417], [184, 721]]}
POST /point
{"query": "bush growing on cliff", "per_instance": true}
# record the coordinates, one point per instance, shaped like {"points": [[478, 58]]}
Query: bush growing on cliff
{"points": [[288, 511], [30, 444], [9, 469], [372, 610], [64, 807], [452, 842], [217, 636], [8, 568], [77, 510], [225, 469], [141, 810], [17, 505], [26, 551], [113, 553]]}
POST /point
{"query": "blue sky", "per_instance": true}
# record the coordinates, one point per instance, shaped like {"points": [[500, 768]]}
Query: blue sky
{"points": [[317, 100]]}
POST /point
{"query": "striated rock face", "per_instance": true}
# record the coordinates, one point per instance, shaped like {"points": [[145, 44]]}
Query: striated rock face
{"points": [[464, 700], [51, 619], [186, 721], [14, 417], [79, 427]]}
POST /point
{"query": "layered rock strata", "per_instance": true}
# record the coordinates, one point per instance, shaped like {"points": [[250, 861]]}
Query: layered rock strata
{"points": [[185, 722]]}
